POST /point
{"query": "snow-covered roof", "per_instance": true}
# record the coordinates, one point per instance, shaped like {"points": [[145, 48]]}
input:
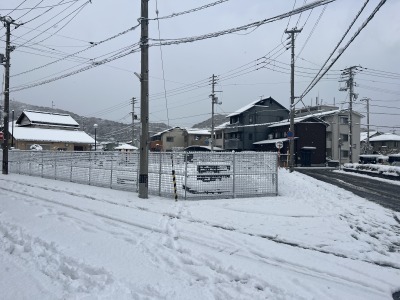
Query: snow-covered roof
{"points": [[166, 130], [203, 147], [48, 118], [296, 120], [126, 147], [332, 112], [22, 133], [364, 134], [385, 137], [271, 141], [250, 105], [196, 131], [222, 126]]}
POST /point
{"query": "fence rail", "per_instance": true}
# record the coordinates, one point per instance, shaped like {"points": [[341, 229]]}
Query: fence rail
{"points": [[198, 174]]}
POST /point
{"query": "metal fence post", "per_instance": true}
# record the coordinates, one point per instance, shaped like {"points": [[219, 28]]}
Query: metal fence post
{"points": [[276, 178], [41, 171], [72, 160], [233, 174], [90, 167], [55, 166], [186, 174], [111, 171], [159, 174], [137, 172]]}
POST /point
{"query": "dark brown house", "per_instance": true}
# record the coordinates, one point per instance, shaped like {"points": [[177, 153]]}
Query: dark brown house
{"points": [[309, 141]]}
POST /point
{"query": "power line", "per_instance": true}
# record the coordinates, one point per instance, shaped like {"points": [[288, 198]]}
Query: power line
{"points": [[29, 8], [241, 28], [162, 64], [94, 44], [189, 11]]}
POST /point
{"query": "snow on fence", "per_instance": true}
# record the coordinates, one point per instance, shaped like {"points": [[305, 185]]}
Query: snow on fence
{"points": [[198, 174]]}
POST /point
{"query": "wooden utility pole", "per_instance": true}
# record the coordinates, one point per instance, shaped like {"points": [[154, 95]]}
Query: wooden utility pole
{"points": [[144, 102], [7, 23], [291, 128]]}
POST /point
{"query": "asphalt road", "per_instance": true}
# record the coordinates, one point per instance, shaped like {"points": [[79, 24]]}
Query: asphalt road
{"points": [[385, 194]]}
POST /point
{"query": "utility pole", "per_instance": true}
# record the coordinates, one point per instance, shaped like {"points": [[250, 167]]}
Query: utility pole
{"points": [[214, 100], [134, 117], [350, 72], [144, 102], [291, 128], [367, 100], [7, 23]]}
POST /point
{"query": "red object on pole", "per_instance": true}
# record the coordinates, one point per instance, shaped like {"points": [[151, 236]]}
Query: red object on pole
{"points": [[1, 136]]}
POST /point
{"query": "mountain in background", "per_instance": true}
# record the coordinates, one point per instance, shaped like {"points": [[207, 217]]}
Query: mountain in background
{"points": [[106, 131]]}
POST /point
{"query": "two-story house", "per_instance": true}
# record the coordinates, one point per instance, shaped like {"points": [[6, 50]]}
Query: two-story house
{"points": [[337, 133], [249, 124], [179, 138]]}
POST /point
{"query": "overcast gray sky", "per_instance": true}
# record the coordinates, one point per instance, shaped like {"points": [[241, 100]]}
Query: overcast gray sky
{"points": [[105, 91]]}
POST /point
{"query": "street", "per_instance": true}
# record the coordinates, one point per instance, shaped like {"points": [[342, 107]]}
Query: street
{"points": [[379, 191]]}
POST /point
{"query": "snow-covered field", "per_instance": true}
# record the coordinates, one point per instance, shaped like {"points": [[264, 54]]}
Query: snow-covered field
{"points": [[63, 240]]}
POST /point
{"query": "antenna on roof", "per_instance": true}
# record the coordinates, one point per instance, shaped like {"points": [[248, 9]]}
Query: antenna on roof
{"points": [[52, 104]]}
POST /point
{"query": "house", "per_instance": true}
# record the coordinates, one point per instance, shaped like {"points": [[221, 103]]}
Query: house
{"points": [[52, 131], [387, 143], [337, 133], [249, 124], [220, 135], [179, 138], [309, 140], [364, 139]]}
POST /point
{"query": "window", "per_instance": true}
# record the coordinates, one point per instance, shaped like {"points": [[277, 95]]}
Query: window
{"points": [[329, 136], [345, 153], [251, 119], [170, 139], [270, 136], [250, 136], [344, 137], [219, 136], [344, 120], [277, 135]]}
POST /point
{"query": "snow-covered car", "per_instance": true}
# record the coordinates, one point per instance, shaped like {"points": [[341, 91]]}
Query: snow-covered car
{"points": [[36, 147]]}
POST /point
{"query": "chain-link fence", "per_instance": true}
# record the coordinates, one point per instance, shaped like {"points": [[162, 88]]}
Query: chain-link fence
{"points": [[197, 174]]}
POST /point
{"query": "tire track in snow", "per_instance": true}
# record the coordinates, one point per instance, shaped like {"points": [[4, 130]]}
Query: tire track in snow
{"points": [[171, 215], [317, 274]]}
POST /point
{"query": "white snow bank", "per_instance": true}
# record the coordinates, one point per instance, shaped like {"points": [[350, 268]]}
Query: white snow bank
{"points": [[314, 241]]}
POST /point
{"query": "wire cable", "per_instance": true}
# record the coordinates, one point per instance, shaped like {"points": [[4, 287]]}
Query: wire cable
{"points": [[162, 65]]}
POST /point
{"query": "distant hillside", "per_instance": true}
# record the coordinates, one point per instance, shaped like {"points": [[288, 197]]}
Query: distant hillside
{"points": [[218, 120], [107, 130]]}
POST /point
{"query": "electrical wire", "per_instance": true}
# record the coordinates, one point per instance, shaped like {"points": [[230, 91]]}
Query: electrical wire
{"points": [[28, 8], [77, 10], [189, 11], [78, 52], [177, 41], [316, 78], [162, 65]]}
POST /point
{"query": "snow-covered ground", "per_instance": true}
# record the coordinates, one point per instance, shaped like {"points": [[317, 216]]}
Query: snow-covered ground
{"points": [[63, 240]]}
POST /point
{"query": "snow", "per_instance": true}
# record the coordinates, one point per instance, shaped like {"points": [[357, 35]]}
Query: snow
{"points": [[126, 147], [385, 137], [198, 131], [50, 118], [63, 240], [51, 135]]}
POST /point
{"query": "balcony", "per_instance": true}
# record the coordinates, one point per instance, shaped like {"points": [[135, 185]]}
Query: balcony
{"points": [[233, 144]]}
